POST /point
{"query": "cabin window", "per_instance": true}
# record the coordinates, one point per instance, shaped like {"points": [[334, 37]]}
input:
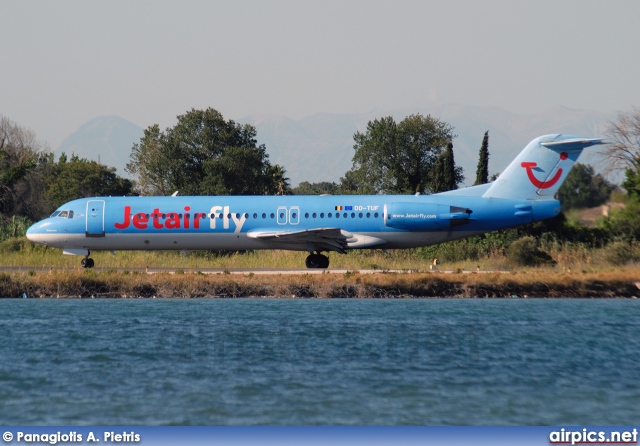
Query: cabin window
{"points": [[255, 216], [329, 215], [375, 215], [264, 215], [344, 215], [337, 215], [321, 214], [314, 215], [272, 215], [360, 215]]}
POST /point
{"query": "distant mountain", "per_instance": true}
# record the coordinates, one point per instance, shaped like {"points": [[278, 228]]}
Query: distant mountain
{"points": [[107, 139], [320, 147]]}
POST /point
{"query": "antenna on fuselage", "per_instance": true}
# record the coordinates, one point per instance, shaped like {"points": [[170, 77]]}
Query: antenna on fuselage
{"points": [[175, 194]]}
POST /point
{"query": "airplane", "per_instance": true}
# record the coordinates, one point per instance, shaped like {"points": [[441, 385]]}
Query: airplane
{"points": [[523, 193]]}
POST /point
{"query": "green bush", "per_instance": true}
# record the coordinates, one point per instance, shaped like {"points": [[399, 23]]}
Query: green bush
{"points": [[456, 251], [525, 252], [12, 245], [13, 227], [624, 224], [621, 253], [20, 244]]}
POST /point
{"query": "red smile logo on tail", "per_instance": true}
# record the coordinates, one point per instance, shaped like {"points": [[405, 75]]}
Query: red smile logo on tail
{"points": [[529, 166]]}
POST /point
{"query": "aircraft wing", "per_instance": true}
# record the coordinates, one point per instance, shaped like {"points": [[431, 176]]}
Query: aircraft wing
{"points": [[320, 239]]}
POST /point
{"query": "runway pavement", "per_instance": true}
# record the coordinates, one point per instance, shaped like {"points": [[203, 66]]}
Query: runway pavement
{"points": [[260, 271]]}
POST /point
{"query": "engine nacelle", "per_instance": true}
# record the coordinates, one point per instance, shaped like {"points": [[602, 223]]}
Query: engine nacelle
{"points": [[424, 216]]}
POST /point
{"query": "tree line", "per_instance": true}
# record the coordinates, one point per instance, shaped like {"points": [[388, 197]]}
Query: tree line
{"points": [[33, 183], [204, 154]]}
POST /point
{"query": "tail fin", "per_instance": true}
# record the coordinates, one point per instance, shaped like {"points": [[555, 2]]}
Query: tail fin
{"points": [[541, 168]]}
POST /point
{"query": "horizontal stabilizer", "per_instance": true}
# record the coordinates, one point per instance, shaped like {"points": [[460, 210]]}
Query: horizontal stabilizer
{"points": [[572, 144]]}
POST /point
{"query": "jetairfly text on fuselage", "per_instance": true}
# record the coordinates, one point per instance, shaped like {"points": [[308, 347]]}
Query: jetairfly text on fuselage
{"points": [[174, 220]]}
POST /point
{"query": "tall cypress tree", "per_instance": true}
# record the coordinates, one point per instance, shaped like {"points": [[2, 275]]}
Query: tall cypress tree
{"points": [[450, 169], [438, 175], [482, 172], [447, 174]]}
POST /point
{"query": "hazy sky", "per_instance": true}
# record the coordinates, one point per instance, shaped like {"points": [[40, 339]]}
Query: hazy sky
{"points": [[65, 62]]}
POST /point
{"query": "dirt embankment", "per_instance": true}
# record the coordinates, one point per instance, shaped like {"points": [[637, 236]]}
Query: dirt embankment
{"points": [[625, 283]]}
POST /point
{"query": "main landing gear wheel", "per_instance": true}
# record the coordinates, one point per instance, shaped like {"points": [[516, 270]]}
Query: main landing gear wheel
{"points": [[317, 261], [87, 262]]}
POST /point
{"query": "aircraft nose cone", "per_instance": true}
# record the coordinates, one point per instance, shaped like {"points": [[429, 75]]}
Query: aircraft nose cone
{"points": [[31, 232]]}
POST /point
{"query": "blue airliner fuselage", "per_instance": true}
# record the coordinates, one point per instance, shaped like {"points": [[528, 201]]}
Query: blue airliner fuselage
{"points": [[522, 194]]}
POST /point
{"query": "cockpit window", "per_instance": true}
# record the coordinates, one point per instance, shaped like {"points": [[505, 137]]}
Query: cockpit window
{"points": [[62, 214]]}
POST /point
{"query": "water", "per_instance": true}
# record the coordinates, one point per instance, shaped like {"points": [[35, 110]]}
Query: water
{"points": [[355, 362]]}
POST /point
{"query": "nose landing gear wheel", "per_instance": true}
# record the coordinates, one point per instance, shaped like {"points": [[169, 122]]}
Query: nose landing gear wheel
{"points": [[87, 263], [317, 261]]}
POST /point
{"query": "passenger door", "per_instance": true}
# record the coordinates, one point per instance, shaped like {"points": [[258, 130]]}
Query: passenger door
{"points": [[95, 218]]}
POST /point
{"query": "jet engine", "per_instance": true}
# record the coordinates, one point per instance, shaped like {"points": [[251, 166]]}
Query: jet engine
{"points": [[424, 216]]}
